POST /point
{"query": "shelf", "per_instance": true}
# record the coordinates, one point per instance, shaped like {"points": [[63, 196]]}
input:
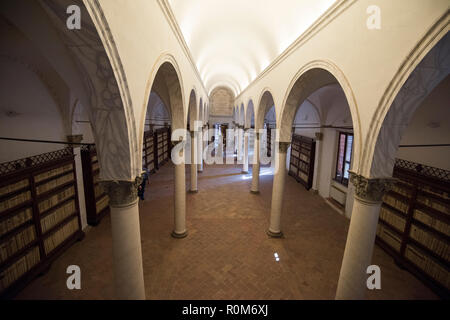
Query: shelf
{"points": [[62, 164], [52, 192], [413, 183], [14, 193], [17, 230], [37, 184], [391, 227], [435, 197], [19, 254], [395, 211], [431, 230], [433, 212], [398, 196], [436, 258], [18, 207], [55, 207], [385, 246]]}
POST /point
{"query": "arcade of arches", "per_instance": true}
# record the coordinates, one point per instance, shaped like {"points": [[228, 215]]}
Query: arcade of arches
{"points": [[281, 152]]}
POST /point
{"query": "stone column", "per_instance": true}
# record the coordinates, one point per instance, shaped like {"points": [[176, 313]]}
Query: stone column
{"points": [[239, 152], [79, 172], [352, 283], [318, 155], [126, 239], [193, 163], [200, 150], [236, 139], [245, 164], [180, 197], [255, 166], [278, 190]]}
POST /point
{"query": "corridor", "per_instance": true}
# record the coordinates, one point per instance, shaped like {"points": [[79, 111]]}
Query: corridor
{"points": [[227, 254]]}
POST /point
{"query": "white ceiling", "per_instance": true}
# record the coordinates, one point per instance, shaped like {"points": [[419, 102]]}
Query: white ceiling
{"points": [[233, 41]]}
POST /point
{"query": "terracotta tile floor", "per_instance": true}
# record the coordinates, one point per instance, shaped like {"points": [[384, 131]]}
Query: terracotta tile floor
{"points": [[227, 254]]}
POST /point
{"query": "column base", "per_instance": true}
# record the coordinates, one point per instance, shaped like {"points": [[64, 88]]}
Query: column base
{"points": [[179, 235], [275, 234], [200, 171], [254, 192], [193, 191], [244, 172]]}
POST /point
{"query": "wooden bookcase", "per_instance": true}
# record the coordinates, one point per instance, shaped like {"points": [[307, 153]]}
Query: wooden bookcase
{"points": [[162, 146], [148, 152], [39, 216], [97, 201], [269, 141], [414, 224], [301, 165]]}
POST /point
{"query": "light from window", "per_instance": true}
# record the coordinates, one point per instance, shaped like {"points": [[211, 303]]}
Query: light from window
{"points": [[344, 157]]}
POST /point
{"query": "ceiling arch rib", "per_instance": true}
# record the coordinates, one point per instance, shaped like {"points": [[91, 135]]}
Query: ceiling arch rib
{"points": [[229, 83], [234, 41]]}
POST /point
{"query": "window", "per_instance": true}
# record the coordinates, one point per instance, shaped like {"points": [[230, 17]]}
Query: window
{"points": [[344, 157]]}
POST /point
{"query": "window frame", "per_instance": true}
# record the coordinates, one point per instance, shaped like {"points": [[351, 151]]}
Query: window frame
{"points": [[342, 180]]}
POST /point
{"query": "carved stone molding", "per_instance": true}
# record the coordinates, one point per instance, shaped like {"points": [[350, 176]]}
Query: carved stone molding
{"points": [[257, 135], [122, 193], [283, 146], [370, 190]]}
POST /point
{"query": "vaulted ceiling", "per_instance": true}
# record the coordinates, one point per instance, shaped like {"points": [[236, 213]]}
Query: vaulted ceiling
{"points": [[233, 41]]}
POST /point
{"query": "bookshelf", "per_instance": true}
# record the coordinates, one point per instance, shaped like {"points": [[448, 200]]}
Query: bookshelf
{"points": [[414, 223], [97, 201], [301, 165], [162, 146], [39, 216], [269, 140], [148, 152]]}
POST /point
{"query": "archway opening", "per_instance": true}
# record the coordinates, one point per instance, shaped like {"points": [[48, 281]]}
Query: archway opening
{"points": [[413, 146]]}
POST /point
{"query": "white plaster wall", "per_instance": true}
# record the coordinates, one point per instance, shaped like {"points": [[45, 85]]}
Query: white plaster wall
{"points": [[35, 114], [144, 37], [157, 114], [430, 125]]}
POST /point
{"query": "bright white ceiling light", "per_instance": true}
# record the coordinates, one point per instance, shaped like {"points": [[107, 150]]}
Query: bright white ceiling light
{"points": [[233, 41]]}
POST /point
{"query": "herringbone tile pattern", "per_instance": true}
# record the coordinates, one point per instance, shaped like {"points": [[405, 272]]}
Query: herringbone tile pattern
{"points": [[227, 254]]}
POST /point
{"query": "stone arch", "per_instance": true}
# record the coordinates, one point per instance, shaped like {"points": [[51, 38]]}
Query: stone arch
{"points": [[250, 114], [96, 74], [192, 109], [310, 78], [165, 79], [419, 74], [157, 109], [266, 101]]}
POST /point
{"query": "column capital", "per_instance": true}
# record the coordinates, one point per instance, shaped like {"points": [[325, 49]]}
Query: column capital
{"points": [[77, 138], [122, 193], [370, 190], [283, 146], [257, 134], [319, 136], [192, 133]]}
